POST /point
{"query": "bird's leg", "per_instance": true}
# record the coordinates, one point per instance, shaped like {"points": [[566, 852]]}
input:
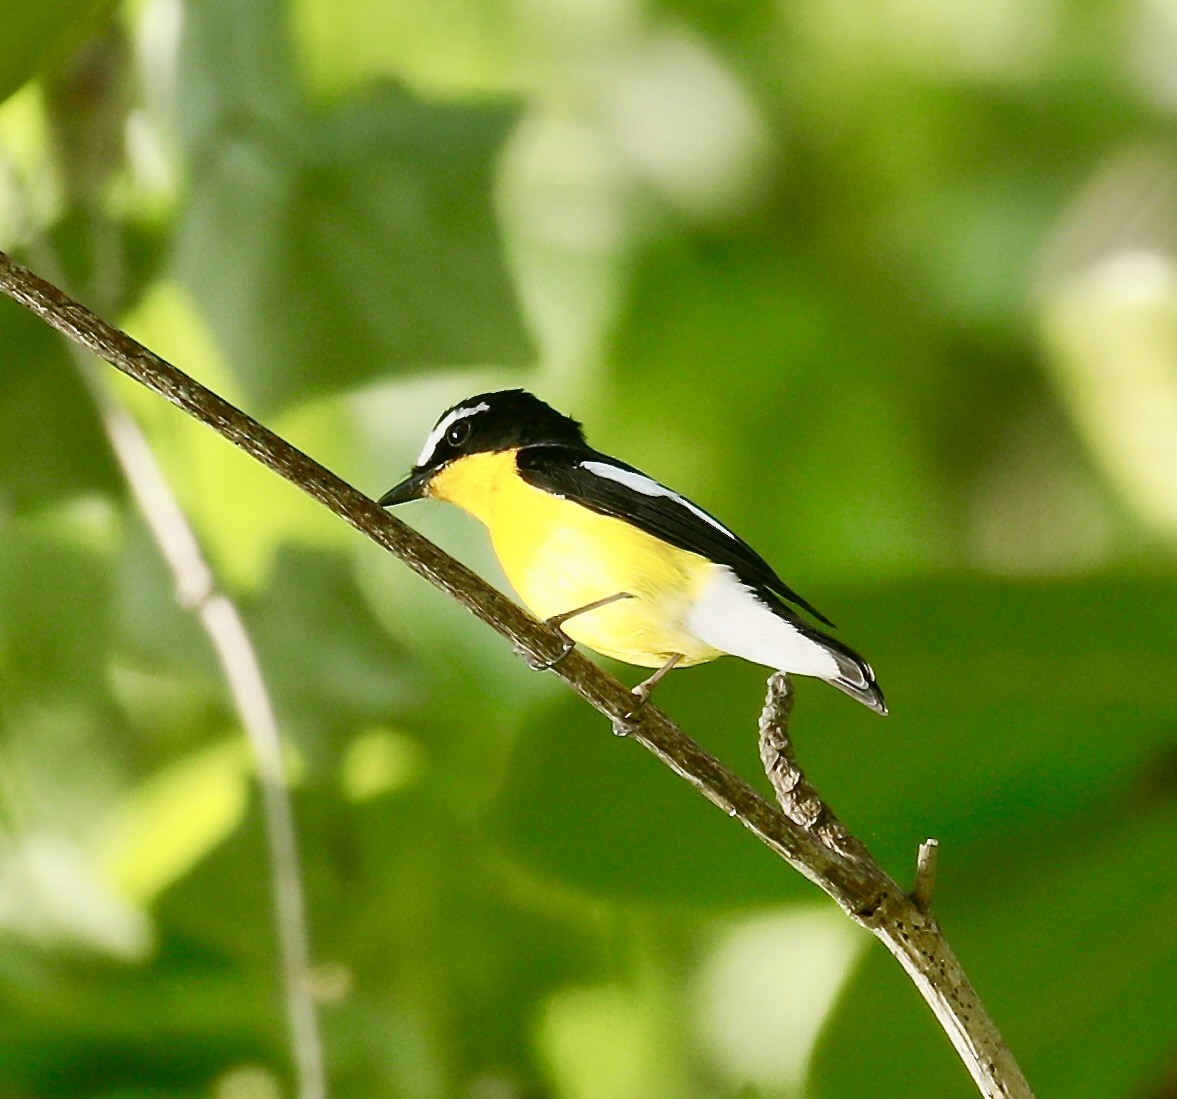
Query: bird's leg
{"points": [[644, 689], [557, 623]]}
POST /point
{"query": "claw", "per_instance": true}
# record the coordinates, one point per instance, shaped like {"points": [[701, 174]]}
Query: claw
{"points": [[556, 621], [642, 693], [623, 726], [548, 665]]}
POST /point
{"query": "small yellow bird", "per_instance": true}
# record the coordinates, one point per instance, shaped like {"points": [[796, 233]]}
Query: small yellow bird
{"points": [[614, 559]]}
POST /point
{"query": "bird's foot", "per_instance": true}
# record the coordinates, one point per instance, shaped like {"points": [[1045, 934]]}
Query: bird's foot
{"points": [[624, 725], [556, 622], [566, 646]]}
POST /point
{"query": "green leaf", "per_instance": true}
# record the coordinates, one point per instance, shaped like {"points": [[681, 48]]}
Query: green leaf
{"points": [[330, 250], [37, 32], [174, 818], [810, 445], [1068, 938], [332, 669], [1000, 695], [583, 807], [54, 445], [54, 617]]}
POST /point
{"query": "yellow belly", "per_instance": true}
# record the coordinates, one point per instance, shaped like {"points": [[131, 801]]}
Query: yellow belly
{"points": [[559, 556]]}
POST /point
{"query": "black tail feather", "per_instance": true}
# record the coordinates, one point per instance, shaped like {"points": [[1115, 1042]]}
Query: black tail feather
{"points": [[857, 679], [855, 676]]}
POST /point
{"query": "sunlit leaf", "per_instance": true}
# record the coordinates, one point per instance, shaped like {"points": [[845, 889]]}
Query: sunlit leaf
{"points": [[175, 818]]}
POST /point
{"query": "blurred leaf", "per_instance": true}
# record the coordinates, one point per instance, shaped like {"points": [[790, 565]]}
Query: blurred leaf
{"points": [[378, 762], [331, 667], [103, 1030], [240, 530], [1022, 680], [450, 937], [37, 32], [583, 807], [1067, 937], [174, 818], [608, 1042], [54, 445], [82, 254], [156, 635], [822, 461], [331, 250], [724, 22], [54, 616], [52, 894], [449, 46]]}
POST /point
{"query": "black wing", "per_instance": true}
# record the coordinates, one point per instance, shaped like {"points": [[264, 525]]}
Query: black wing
{"points": [[609, 487]]}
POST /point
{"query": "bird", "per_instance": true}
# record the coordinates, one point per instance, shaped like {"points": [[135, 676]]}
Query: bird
{"points": [[612, 558]]}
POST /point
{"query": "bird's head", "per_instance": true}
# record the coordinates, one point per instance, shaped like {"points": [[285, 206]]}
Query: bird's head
{"points": [[485, 424]]}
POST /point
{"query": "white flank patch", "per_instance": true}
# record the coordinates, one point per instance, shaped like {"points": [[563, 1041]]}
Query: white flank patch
{"points": [[728, 616], [443, 425], [647, 486]]}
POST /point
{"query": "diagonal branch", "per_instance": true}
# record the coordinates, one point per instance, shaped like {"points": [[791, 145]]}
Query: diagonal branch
{"points": [[851, 877]]}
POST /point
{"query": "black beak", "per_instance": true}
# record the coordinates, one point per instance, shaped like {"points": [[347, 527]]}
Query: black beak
{"points": [[411, 488]]}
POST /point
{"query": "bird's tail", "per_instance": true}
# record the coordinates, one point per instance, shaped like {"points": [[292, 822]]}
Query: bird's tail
{"points": [[855, 676]]}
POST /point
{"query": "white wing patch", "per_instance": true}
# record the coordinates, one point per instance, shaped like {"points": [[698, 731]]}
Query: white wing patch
{"points": [[443, 425], [647, 486], [728, 617]]}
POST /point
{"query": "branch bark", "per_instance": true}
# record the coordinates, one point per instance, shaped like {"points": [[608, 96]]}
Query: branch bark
{"points": [[806, 835], [903, 923]]}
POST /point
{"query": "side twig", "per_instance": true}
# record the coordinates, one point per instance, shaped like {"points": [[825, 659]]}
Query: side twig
{"points": [[903, 923], [802, 804], [857, 884], [196, 591], [925, 874]]}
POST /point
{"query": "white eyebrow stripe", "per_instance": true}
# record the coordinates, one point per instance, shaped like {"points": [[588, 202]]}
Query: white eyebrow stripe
{"points": [[443, 425], [647, 486]]}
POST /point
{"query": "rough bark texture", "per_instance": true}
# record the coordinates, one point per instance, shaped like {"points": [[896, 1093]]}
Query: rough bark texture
{"points": [[806, 834], [903, 923]]}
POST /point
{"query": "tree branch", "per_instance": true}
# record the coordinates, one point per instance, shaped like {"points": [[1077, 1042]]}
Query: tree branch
{"points": [[902, 922], [841, 867]]}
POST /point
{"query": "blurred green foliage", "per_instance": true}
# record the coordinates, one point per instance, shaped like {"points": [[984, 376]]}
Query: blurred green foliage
{"points": [[888, 286]]}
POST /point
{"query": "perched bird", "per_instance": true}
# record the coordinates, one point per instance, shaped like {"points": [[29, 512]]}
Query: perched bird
{"points": [[614, 559]]}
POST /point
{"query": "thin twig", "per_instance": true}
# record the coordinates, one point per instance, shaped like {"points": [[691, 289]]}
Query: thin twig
{"points": [[862, 889], [925, 874], [196, 591], [802, 803]]}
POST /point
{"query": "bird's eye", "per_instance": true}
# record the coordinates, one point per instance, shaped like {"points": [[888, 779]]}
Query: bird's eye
{"points": [[458, 433]]}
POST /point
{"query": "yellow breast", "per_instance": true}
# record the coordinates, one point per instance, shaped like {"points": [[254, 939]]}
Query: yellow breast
{"points": [[559, 556]]}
